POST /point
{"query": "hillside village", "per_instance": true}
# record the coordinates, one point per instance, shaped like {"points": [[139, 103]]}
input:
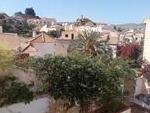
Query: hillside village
{"points": [[50, 44], [58, 35]]}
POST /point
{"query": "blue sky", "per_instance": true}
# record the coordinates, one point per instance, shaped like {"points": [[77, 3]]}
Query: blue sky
{"points": [[111, 11]]}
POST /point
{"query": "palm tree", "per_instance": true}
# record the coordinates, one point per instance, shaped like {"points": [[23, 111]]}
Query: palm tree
{"points": [[90, 42]]}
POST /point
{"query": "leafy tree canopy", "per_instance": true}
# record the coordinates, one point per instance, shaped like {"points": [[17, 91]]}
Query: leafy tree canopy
{"points": [[82, 79], [13, 91], [131, 51], [30, 12], [90, 43], [20, 14], [20, 27]]}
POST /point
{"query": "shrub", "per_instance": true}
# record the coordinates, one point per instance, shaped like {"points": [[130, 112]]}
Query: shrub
{"points": [[82, 80], [13, 91]]}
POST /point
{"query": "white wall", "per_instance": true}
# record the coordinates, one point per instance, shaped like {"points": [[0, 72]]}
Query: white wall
{"points": [[146, 52]]}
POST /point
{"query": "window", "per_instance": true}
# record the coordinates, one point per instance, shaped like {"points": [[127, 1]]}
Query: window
{"points": [[66, 35], [72, 36]]}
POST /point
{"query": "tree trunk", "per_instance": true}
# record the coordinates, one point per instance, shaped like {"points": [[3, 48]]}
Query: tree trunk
{"points": [[84, 108]]}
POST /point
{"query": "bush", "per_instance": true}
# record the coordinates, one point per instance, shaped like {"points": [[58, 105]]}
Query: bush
{"points": [[82, 80], [131, 52], [13, 91]]}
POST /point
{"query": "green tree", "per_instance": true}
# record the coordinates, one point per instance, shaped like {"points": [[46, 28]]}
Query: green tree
{"points": [[83, 80], [90, 43], [19, 14], [13, 91], [29, 12], [9, 25], [54, 33], [24, 29], [16, 26]]}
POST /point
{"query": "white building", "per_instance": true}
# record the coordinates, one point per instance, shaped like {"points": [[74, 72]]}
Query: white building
{"points": [[89, 28], [46, 29], [131, 36], [146, 51]]}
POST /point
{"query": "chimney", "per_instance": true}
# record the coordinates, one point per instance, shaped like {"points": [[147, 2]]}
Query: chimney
{"points": [[42, 34], [33, 34], [43, 37], [1, 29]]}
